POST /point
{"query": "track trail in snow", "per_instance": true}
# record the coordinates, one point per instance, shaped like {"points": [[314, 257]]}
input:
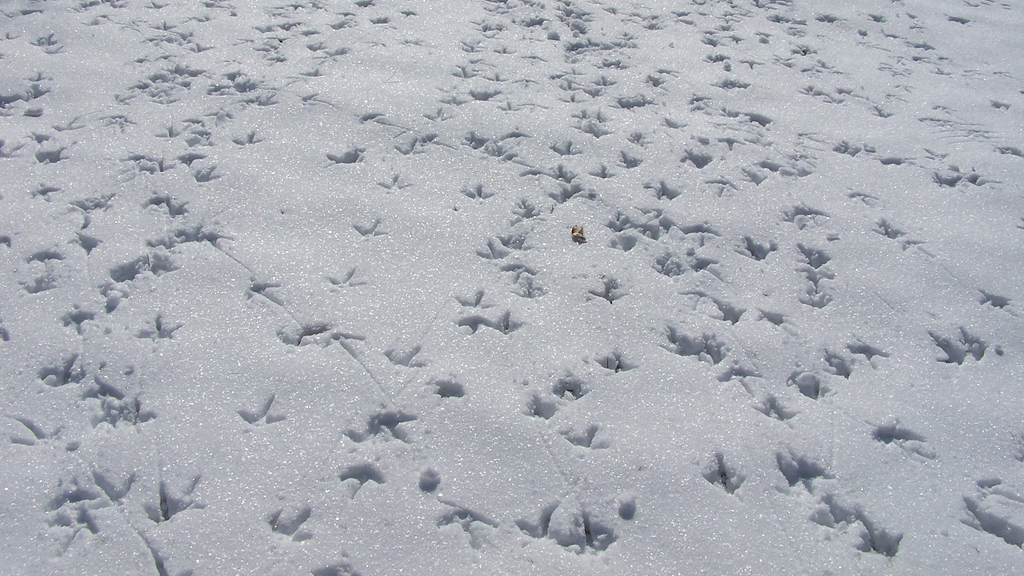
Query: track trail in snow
{"points": [[290, 287]]}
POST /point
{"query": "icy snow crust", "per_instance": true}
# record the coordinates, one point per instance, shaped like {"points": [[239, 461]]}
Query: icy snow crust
{"points": [[289, 288]]}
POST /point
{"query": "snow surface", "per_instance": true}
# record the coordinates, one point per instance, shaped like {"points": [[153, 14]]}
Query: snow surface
{"points": [[289, 287]]}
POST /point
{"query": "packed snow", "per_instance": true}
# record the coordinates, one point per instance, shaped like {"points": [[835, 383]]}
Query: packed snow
{"points": [[524, 287]]}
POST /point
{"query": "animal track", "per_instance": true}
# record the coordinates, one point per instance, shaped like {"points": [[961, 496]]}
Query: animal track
{"points": [[894, 433], [68, 371], [739, 370], [346, 280], [184, 234], [808, 383], [800, 470], [386, 424], [615, 138], [478, 192], [340, 569], [73, 506], [700, 160], [357, 475], [174, 207], [614, 361], [371, 229], [757, 250], [662, 190], [262, 413], [407, 358], [38, 433], [157, 262], [997, 509], [867, 351], [585, 438], [160, 330], [814, 258], [288, 522], [493, 251], [610, 290], [994, 300], [473, 523], [726, 311], [959, 348], [542, 406], [76, 316], [524, 210], [570, 387], [172, 501], [503, 323], [571, 526], [772, 408], [706, 348], [448, 388], [430, 479], [844, 520], [816, 295], [116, 406], [804, 216], [50, 156], [723, 475], [348, 157], [839, 364], [42, 283], [566, 148], [308, 333]]}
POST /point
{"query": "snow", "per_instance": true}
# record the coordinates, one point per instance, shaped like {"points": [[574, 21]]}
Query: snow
{"points": [[290, 288]]}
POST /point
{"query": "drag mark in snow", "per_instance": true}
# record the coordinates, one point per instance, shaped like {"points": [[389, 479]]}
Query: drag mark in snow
{"points": [[38, 433]]}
